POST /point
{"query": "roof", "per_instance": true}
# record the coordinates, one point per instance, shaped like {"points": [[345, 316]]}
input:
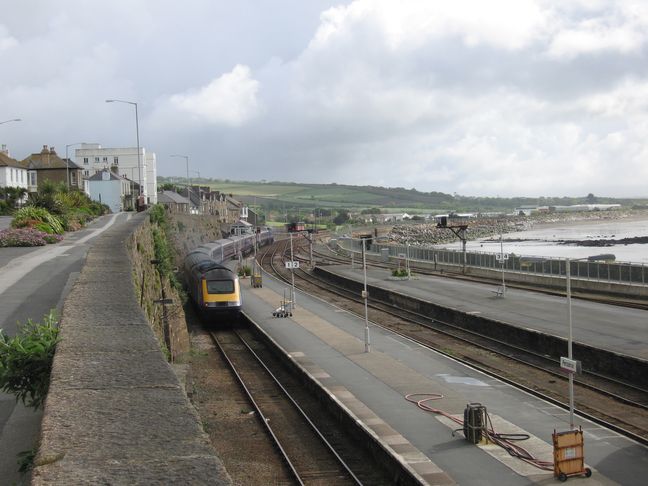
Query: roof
{"points": [[6, 161], [241, 223], [47, 159], [98, 176], [171, 197]]}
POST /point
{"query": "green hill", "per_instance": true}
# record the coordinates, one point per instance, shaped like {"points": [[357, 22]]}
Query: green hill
{"points": [[276, 195]]}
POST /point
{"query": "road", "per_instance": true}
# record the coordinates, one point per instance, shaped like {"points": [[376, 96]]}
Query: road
{"points": [[32, 282]]}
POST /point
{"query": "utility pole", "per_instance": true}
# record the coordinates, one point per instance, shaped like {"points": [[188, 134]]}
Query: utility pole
{"points": [[365, 296], [292, 274]]}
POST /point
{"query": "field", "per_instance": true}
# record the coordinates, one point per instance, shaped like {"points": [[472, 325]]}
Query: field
{"points": [[287, 195]]}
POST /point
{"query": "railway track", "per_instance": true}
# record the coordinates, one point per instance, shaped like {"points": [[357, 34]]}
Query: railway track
{"points": [[314, 448], [616, 405]]}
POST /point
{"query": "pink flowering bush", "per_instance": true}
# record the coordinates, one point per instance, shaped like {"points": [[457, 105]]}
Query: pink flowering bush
{"points": [[26, 237]]}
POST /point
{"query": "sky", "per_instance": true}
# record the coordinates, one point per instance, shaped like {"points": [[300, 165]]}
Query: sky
{"points": [[498, 98]]}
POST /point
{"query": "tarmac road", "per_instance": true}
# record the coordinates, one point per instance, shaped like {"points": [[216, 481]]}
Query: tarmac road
{"points": [[32, 282]]}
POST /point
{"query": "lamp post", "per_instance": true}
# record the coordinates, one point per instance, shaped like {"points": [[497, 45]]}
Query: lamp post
{"points": [[570, 364], [365, 296], [569, 342], [9, 121], [67, 162], [139, 161], [186, 157]]}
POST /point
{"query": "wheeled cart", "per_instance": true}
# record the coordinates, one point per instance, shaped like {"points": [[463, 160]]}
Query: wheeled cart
{"points": [[569, 457]]}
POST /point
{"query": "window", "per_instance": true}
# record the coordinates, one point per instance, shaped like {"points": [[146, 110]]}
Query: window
{"points": [[86, 173], [32, 178], [116, 160], [220, 286], [22, 176], [85, 161], [96, 160], [105, 160]]}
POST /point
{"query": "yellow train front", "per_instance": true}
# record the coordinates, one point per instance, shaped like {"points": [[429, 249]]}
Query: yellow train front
{"points": [[214, 289]]}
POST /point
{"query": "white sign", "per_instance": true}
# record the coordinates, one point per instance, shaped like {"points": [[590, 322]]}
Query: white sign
{"points": [[570, 365], [292, 264], [502, 257], [402, 255]]}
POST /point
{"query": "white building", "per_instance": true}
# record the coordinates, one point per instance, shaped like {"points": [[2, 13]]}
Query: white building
{"points": [[109, 189], [93, 158], [12, 174]]}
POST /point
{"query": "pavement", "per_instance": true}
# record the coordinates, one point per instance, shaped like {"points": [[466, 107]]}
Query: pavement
{"points": [[329, 345], [5, 222], [34, 280]]}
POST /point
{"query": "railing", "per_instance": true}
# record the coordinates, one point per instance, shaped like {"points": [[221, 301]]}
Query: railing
{"points": [[614, 272]]}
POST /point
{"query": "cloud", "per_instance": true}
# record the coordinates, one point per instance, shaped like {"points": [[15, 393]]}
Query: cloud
{"points": [[517, 97], [6, 40], [230, 99]]}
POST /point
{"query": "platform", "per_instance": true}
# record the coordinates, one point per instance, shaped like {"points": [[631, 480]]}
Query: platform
{"points": [[618, 329], [328, 343]]}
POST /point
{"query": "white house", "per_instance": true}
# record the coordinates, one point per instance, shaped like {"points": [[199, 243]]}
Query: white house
{"points": [[12, 174], [92, 157], [110, 189]]}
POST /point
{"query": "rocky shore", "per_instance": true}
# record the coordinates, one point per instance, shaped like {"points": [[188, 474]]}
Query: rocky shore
{"points": [[428, 235]]}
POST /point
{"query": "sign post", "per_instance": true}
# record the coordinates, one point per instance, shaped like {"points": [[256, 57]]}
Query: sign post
{"points": [[502, 258]]}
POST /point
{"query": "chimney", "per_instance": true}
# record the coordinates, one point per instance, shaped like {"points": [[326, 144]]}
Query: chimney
{"points": [[45, 150], [4, 149], [52, 151]]}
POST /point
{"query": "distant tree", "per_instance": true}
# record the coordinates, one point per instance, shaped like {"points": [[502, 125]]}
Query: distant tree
{"points": [[591, 199], [370, 211], [342, 217], [167, 186]]}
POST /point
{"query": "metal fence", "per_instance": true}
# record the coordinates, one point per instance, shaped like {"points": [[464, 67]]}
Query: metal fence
{"points": [[615, 272]]}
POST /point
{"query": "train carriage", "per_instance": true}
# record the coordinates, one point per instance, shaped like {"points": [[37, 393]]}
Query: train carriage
{"points": [[214, 288]]}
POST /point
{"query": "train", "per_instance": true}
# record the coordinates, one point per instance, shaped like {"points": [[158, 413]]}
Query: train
{"points": [[213, 288]]}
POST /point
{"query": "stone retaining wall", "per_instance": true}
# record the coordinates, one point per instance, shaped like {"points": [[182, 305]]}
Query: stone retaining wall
{"points": [[116, 413]]}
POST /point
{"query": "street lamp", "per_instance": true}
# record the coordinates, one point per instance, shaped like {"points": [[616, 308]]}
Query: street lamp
{"points": [[186, 157], [67, 162], [12, 120], [139, 162], [570, 364], [365, 295]]}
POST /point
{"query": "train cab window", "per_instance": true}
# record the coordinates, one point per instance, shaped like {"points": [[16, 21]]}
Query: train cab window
{"points": [[220, 286]]}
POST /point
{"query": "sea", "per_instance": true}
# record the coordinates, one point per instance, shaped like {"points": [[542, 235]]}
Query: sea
{"points": [[544, 240]]}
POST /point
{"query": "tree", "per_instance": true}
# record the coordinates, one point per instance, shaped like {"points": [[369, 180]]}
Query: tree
{"points": [[342, 217], [370, 211], [591, 199]]}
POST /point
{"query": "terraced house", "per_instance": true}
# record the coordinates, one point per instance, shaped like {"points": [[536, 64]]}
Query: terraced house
{"points": [[47, 165]]}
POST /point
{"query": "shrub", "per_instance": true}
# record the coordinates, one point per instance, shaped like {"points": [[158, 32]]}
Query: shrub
{"points": [[26, 360], [26, 237], [22, 237], [399, 272], [24, 216], [157, 215], [245, 271]]}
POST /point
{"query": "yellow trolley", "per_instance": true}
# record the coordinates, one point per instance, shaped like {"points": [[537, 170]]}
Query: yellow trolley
{"points": [[569, 457]]}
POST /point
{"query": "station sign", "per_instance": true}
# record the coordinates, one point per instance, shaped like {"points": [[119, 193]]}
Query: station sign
{"points": [[291, 265], [502, 257], [571, 365]]}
